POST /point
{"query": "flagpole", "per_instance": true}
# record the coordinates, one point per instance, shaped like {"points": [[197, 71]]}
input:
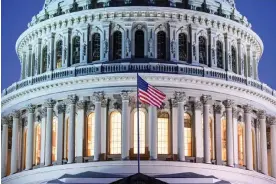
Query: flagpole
{"points": [[138, 132]]}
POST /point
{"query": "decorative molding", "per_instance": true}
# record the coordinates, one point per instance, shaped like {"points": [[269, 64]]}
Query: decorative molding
{"points": [[49, 103], [98, 96], [125, 95], [31, 108], [81, 104], [15, 114], [205, 99], [272, 120], [179, 96], [72, 99], [228, 103], [197, 105], [262, 114], [235, 112], [218, 108], [247, 108], [61, 107]]}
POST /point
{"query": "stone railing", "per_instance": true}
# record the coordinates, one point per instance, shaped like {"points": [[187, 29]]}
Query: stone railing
{"points": [[180, 69]]}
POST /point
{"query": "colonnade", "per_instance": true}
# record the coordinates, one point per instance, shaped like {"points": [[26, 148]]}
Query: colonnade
{"points": [[201, 107]]}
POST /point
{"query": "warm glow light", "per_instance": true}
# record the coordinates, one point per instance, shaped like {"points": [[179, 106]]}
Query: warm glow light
{"points": [[240, 145], [163, 134], [115, 134], [142, 131], [90, 134], [54, 140], [38, 144], [188, 135], [223, 139]]}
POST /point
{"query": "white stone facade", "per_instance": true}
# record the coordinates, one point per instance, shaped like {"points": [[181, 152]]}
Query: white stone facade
{"points": [[89, 67]]}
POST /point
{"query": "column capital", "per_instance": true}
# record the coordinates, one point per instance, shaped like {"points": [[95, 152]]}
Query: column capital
{"points": [[81, 104], [31, 108], [125, 95], [179, 96], [261, 114], [197, 105], [90, 106], [72, 99], [104, 102], [218, 108], [205, 99], [49, 103], [235, 112], [6, 120], [15, 114], [61, 107], [247, 108], [98, 96], [228, 103], [272, 120], [43, 112]]}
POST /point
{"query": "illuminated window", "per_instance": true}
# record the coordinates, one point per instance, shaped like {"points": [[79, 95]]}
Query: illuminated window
{"points": [[163, 133], [76, 50], [211, 138], [90, 134], [24, 148], [240, 144], [65, 149], [59, 54], [188, 135], [37, 144], [142, 131], [223, 139], [115, 134], [54, 140]]}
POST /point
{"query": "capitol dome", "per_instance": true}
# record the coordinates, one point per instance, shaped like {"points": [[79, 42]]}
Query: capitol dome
{"points": [[71, 117]]}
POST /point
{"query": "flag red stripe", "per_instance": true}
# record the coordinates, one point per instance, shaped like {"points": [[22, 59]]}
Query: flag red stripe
{"points": [[159, 93]]}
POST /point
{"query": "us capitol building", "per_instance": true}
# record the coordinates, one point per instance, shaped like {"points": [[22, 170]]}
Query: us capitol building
{"points": [[72, 115]]}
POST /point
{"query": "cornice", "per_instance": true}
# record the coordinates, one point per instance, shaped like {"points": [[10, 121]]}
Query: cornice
{"points": [[56, 24], [168, 79]]}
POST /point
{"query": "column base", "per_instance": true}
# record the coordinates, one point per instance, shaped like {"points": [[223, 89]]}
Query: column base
{"points": [[79, 159], [199, 160], [59, 162], [152, 158], [125, 158]]}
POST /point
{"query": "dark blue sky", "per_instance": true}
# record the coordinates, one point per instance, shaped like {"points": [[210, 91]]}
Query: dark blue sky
{"points": [[16, 14]]}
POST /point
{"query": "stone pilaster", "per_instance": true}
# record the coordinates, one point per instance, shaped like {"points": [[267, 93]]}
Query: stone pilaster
{"points": [[206, 135], [43, 135], [4, 151], [193, 45], [66, 43], [235, 134], [105, 42], [125, 125], [212, 48], [248, 137], [30, 137], [272, 121], [81, 109], [61, 108], [197, 107], [15, 116], [84, 44], [218, 111]]}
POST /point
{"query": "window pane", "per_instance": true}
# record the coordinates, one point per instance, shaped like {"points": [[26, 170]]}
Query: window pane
{"points": [[76, 50], [54, 140], [90, 134], [96, 46], [234, 60], [183, 49], [188, 135], [163, 141], [44, 59], [161, 45], [219, 54], [139, 44], [115, 136], [37, 144], [202, 50], [117, 45], [59, 54], [223, 138], [142, 131]]}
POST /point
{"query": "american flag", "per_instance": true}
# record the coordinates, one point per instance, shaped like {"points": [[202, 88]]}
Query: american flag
{"points": [[148, 94]]}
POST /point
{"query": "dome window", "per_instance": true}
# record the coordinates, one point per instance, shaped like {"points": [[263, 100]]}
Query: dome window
{"points": [[202, 50], [59, 54], [182, 47], [96, 46], [219, 54], [139, 44], [161, 45], [76, 50], [117, 45]]}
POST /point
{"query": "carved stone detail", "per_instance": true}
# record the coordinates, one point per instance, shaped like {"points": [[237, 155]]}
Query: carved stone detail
{"points": [[104, 102], [205, 99], [197, 105], [218, 108], [261, 114], [235, 112], [49, 103], [228, 103], [98, 96], [15, 114], [31, 108], [81, 104], [272, 120], [43, 112], [179, 96], [90, 106], [247, 108], [61, 107], [72, 99], [125, 95]]}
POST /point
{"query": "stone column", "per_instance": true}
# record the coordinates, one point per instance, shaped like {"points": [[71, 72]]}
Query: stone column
{"points": [[37, 57], [212, 47], [273, 145], [72, 100], [49, 104], [61, 108], [125, 125], [4, 151], [235, 134], [240, 59], [29, 61], [50, 55], [217, 111], [30, 137], [198, 131], [206, 135], [97, 96], [104, 122], [15, 115], [227, 53], [248, 137], [174, 127], [151, 39], [229, 134], [193, 45], [247, 62], [128, 40], [153, 133], [105, 42], [84, 43], [66, 46], [81, 107], [263, 141], [180, 99], [43, 136]]}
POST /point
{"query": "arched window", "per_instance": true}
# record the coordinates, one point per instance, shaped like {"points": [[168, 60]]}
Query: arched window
{"points": [[96, 47], [234, 59], [219, 54], [163, 133], [223, 139], [59, 54], [161, 45], [37, 144], [188, 135], [54, 139], [90, 134], [115, 133], [33, 65], [44, 59], [139, 44], [76, 50], [202, 50], [183, 47], [117, 45], [142, 131], [241, 144]]}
